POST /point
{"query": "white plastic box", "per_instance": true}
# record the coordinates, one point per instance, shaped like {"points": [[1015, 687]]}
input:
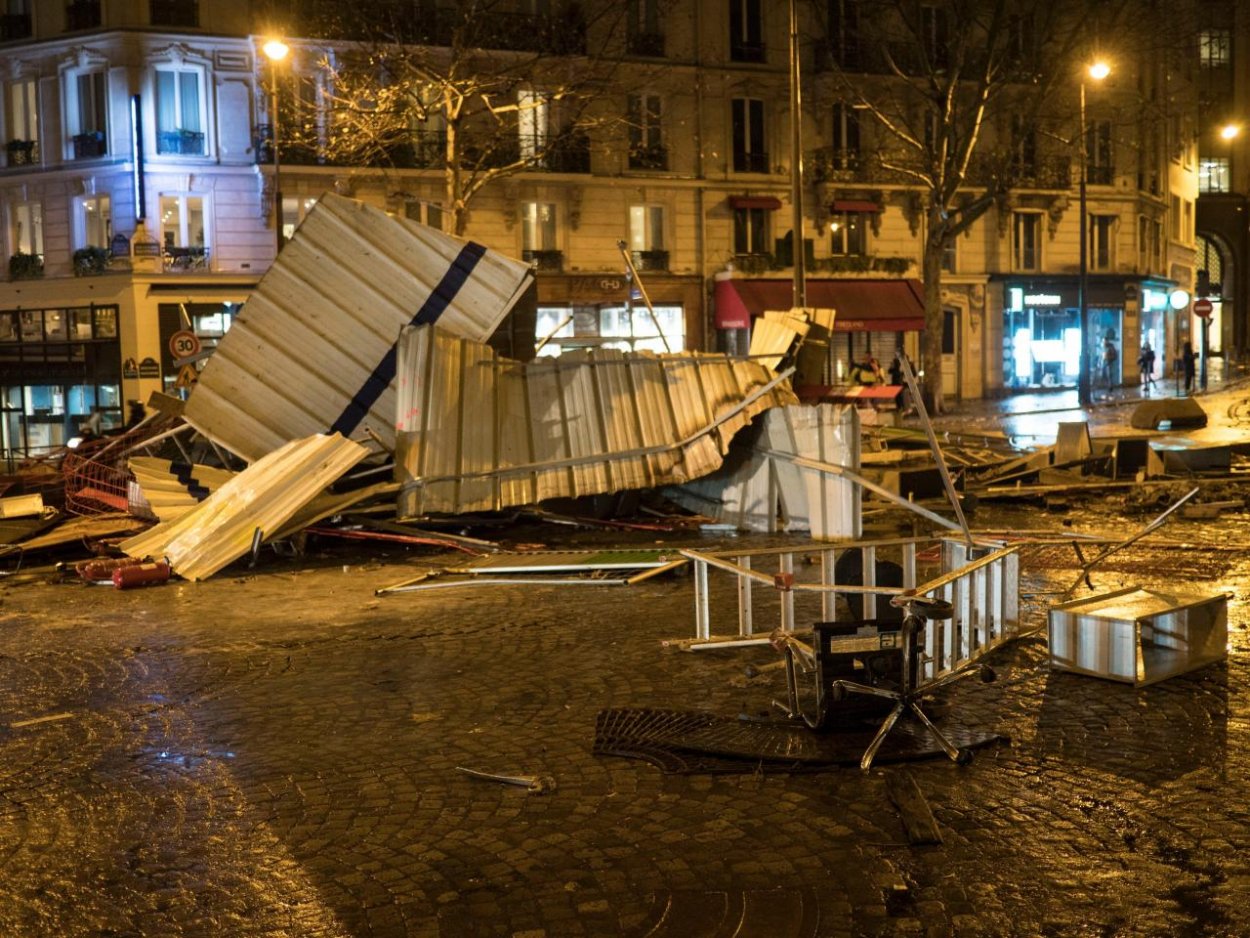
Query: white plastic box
{"points": [[1137, 635]]}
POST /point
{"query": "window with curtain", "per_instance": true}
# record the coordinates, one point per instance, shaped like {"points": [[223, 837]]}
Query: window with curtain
{"points": [[1027, 241], [182, 221], [750, 154], [87, 113], [849, 234], [179, 112], [538, 226], [28, 228], [646, 227], [24, 110], [97, 221], [646, 134], [1101, 241], [532, 115], [750, 230]]}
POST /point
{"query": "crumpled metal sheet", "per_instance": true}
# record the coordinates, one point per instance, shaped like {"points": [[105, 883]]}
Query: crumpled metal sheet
{"points": [[264, 496], [313, 349], [477, 432]]}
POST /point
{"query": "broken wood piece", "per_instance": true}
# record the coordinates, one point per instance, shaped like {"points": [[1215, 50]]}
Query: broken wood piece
{"points": [[913, 808]]}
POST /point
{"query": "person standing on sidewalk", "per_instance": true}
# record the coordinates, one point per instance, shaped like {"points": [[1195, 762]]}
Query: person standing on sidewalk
{"points": [[1109, 358], [1146, 365], [1187, 364]]}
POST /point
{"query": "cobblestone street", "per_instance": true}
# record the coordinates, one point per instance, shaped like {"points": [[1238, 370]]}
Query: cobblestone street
{"points": [[275, 753]]}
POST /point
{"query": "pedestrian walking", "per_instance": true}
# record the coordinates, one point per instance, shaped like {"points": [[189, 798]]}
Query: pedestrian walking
{"points": [[1187, 365], [1109, 357], [867, 373], [1146, 365]]}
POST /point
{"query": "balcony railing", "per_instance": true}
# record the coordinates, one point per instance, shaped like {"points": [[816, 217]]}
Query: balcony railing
{"points": [[183, 142], [174, 12], [14, 26], [648, 44], [82, 14], [1100, 175], [569, 153], [750, 162], [22, 152], [650, 260], [89, 145], [652, 157], [177, 260], [552, 261]]}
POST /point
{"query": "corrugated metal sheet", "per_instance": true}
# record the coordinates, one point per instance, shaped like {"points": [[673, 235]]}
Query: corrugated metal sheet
{"points": [[761, 490], [313, 349], [170, 488], [265, 496], [478, 432]]}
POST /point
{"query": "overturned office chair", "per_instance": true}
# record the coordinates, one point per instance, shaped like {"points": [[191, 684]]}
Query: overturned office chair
{"points": [[888, 659]]}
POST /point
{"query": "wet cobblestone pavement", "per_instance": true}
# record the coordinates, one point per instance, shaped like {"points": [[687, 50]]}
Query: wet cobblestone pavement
{"points": [[275, 754]]}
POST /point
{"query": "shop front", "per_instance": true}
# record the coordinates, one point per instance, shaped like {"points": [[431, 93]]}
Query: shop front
{"points": [[608, 310]]}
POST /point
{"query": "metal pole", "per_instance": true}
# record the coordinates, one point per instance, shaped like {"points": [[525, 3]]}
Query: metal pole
{"points": [[1084, 380], [1206, 346], [277, 156], [796, 163]]}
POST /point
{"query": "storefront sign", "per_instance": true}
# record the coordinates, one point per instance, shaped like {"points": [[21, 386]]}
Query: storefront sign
{"points": [[1042, 299], [149, 368], [597, 287], [146, 249]]}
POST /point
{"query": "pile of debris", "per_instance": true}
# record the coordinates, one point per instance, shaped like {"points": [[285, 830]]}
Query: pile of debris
{"points": [[364, 379]]}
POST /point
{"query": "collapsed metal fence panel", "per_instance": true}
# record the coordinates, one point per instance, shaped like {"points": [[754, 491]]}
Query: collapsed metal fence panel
{"points": [[478, 432], [313, 349], [263, 497]]}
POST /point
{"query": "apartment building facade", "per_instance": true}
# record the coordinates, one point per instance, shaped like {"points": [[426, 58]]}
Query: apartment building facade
{"points": [[138, 185]]}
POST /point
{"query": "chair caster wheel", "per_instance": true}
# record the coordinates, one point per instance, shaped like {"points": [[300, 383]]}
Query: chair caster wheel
{"points": [[963, 756], [988, 674]]}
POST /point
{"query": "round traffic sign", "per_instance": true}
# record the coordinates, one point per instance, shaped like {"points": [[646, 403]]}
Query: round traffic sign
{"points": [[1203, 308], [184, 343]]}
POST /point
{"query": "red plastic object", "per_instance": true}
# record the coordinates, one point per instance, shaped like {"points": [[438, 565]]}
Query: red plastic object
{"points": [[140, 574], [102, 567], [783, 582]]}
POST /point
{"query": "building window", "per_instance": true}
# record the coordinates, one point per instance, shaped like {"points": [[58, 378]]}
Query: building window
{"points": [[849, 232], [1099, 154], [1023, 147], [844, 34], [426, 213], [1174, 214], [950, 256], [750, 154], [86, 109], [750, 230], [1215, 48], [646, 227], [180, 116], [845, 137], [646, 140], [82, 14], [1101, 242], [174, 12], [935, 35], [642, 28], [22, 147], [182, 232], [746, 31], [15, 20], [538, 234], [27, 226], [96, 221], [1213, 174], [629, 328], [294, 210], [1027, 241], [532, 111]]}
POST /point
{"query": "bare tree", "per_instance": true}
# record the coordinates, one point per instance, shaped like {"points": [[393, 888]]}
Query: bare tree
{"points": [[475, 91], [959, 90]]}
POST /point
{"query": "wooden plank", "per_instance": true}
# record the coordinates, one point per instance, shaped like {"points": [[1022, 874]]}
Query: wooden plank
{"points": [[913, 809]]}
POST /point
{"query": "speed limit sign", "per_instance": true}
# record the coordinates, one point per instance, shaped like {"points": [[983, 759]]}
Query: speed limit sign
{"points": [[184, 343]]}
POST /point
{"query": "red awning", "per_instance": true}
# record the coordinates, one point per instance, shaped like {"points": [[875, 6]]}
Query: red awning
{"points": [[755, 201], [854, 205], [862, 305]]}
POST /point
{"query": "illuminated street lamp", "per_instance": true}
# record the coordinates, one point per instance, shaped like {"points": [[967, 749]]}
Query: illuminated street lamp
{"points": [[1084, 387], [275, 50], [1230, 131]]}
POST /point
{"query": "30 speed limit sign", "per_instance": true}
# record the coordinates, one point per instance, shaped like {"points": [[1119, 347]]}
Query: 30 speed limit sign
{"points": [[183, 344]]}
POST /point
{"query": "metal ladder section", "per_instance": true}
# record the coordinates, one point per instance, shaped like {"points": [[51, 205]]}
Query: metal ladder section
{"points": [[983, 586]]}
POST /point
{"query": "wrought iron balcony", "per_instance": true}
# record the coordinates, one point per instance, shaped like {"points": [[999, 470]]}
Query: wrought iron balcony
{"points": [[22, 152], [650, 260], [177, 260], [652, 157], [14, 26], [184, 142], [750, 162], [551, 261], [1100, 175], [89, 145], [174, 12]]}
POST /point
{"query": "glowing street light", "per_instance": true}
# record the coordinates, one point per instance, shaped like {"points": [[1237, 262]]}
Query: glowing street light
{"points": [[1230, 131], [1084, 386], [275, 50]]}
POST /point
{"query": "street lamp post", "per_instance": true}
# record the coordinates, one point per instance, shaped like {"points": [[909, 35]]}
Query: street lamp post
{"points": [[275, 50], [1085, 379]]}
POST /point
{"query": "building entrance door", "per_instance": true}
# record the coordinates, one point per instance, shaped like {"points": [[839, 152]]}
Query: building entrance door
{"points": [[950, 354]]}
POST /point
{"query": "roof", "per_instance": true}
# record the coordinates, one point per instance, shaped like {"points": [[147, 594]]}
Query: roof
{"points": [[480, 432], [862, 305], [313, 349]]}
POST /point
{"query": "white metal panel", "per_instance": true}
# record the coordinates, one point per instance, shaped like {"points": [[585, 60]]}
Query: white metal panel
{"points": [[323, 322], [604, 421], [172, 488], [264, 496]]}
